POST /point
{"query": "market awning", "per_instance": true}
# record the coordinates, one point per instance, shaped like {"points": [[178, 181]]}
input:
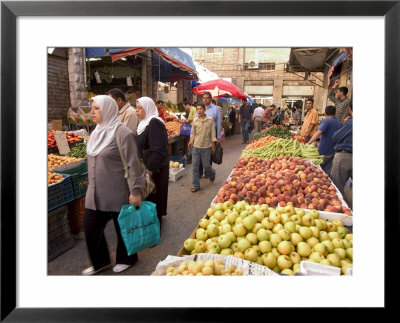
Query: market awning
{"points": [[309, 59], [95, 51]]}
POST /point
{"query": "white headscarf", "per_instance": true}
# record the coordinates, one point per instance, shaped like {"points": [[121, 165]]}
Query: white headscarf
{"points": [[104, 132], [151, 112]]}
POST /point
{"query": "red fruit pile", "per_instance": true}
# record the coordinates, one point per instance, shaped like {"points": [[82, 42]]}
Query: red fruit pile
{"points": [[71, 138], [279, 181]]}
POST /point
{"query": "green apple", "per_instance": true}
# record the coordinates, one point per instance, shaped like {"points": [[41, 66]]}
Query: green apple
{"points": [[347, 244], [295, 257], [224, 241], [189, 244], [314, 214], [231, 217], [291, 226], [223, 222], [234, 247], [316, 256], [240, 206], [226, 228], [227, 205], [239, 230], [212, 230], [226, 252], [201, 234], [342, 232], [257, 227], [227, 212], [239, 219], [349, 237], [259, 215], [330, 227], [243, 245], [285, 218], [319, 224], [323, 235], [269, 260], [219, 215], [200, 247], [231, 235], [203, 223], [349, 253], [321, 248], [341, 253], [275, 217], [251, 255], [252, 237], [308, 220], [284, 234], [210, 212], [215, 246], [338, 223], [305, 232], [244, 214], [250, 221], [300, 212], [287, 272], [289, 209], [262, 235], [259, 261], [345, 267], [265, 246], [267, 223], [218, 207], [284, 262], [295, 238], [315, 232], [208, 241], [219, 230], [333, 235], [240, 238], [303, 249], [238, 254], [296, 218], [334, 259], [277, 227], [325, 262], [296, 268], [250, 208], [329, 245], [275, 239], [214, 221], [256, 248], [312, 241], [338, 243], [275, 252], [285, 247]]}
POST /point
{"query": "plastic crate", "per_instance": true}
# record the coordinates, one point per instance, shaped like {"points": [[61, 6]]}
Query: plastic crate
{"points": [[79, 177], [179, 159], [60, 193], [76, 211], [59, 236]]}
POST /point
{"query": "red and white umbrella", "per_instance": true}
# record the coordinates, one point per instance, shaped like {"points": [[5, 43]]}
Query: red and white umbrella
{"points": [[219, 88]]}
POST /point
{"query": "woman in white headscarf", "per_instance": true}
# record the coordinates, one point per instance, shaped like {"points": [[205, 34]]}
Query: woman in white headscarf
{"points": [[108, 189], [152, 142]]}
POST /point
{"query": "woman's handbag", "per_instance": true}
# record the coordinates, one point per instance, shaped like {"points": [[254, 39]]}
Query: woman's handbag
{"points": [[140, 227], [149, 185]]}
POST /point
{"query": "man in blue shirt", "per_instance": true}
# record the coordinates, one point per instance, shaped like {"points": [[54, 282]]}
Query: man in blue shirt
{"points": [[245, 115], [342, 166], [326, 130]]}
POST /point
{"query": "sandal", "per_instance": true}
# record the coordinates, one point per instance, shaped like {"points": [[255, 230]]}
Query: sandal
{"points": [[194, 189]]}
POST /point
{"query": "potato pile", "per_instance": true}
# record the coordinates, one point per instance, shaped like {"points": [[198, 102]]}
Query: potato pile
{"points": [[53, 161]]}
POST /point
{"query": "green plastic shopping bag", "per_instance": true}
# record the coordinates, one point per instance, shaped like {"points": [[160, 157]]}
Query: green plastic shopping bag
{"points": [[140, 228]]}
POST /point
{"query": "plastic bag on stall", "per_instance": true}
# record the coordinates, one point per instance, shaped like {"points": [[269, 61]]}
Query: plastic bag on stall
{"points": [[140, 228], [83, 117], [72, 116]]}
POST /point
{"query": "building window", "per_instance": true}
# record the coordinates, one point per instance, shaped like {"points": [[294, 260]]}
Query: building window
{"points": [[212, 50], [267, 66]]}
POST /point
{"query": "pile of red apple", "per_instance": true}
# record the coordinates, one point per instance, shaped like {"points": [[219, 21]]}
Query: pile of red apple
{"points": [[281, 180]]}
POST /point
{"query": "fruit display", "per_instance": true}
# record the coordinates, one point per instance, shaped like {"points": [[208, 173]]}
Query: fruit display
{"points": [[173, 127], [277, 131], [261, 142], [54, 161], [53, 178], [286, 147], [279, 238], [174, 165], [71, 138], [279, 181], [203, 268], [78, 151]]}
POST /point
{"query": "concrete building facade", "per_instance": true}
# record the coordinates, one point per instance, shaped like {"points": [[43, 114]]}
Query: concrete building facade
{"points": [[261, 73]]}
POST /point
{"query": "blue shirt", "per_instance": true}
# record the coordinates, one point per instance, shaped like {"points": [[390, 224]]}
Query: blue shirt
{"points": [[343, 138], [213, 111], [328, 127], [246, 111]]}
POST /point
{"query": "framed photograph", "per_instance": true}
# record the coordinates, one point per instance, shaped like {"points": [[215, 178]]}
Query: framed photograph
{"points": [[29, 28]]}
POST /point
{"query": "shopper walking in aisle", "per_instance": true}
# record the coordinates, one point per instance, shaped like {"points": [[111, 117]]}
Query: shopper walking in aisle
{"points": [[127, 113], [232, 119], [326, 130], [258, 115], [160, 106], [310, 121], [108, 189], [203, 143], [339, 97], [152, 142], [342, 165], [245, 115], [297, 116]]}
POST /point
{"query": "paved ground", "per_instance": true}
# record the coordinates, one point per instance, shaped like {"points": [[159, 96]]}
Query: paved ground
{"points": [[185, 209]]}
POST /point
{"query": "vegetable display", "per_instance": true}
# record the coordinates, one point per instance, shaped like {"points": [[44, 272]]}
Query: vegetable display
{"points": [[79, 151], [285, 147], [71, 138], [261, 142], [275, 132]]}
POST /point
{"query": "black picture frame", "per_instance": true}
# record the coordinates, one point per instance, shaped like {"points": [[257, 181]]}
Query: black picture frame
{"points": [[10, 10]]}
